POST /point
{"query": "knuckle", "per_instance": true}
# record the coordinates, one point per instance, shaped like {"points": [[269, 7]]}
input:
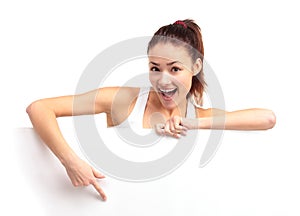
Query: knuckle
{"points": [[92, 181], [75, 184], [86, 183]]}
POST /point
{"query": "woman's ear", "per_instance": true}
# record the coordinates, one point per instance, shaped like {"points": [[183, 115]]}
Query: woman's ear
{"points": [[197, 67]]}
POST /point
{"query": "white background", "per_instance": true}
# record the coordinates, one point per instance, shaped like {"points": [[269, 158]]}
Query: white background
{"points": [[253, 47]]}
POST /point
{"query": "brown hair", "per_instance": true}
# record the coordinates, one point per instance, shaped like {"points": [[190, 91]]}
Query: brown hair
{"points": [[188, 33]]}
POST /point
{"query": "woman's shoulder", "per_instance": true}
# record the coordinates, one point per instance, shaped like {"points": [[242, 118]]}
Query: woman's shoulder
{"points": [[118, 102], [117, 97]]}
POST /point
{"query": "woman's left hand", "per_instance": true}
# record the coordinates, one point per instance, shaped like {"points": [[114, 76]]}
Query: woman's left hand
{"points": [[173, 127]]}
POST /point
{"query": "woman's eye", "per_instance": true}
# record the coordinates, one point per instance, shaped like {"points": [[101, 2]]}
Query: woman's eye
{"points": [[154, 69], [175, 69]]}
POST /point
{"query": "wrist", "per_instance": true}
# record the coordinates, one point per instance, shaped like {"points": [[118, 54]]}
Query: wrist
{"points": [[197, 123], [192, 123], [68, 159]]}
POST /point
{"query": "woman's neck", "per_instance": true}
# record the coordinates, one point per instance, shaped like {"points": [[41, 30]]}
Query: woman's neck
{"points": [[155, 103]]}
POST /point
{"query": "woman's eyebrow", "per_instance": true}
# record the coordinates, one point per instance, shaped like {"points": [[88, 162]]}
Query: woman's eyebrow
{"points": [[154, 63]]}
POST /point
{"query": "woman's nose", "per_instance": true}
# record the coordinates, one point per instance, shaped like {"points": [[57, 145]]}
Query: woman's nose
{"points": [[165, 79]]}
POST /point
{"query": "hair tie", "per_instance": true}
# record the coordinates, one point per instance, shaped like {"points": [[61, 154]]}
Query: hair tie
{"points": [[179, 22]]}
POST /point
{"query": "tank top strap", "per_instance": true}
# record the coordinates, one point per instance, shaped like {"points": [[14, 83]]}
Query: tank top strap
{"points": [[190, 110], [136, 116]]}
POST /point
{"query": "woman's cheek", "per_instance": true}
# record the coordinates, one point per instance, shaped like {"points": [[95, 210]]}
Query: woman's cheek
{"points": [[153, 78], [185, 83]]}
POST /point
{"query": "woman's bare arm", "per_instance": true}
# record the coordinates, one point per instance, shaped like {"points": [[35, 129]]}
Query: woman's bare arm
{"points": [[248, 119], [43, 114]]}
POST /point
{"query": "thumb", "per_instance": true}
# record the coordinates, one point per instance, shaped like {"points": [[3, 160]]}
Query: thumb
{"points": [[97, 174]]}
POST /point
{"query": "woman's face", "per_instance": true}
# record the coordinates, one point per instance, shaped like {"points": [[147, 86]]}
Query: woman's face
{"points": [[171, 72]]}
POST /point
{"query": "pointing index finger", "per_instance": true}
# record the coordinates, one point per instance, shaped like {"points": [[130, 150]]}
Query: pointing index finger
{"points": [[99, 190]]}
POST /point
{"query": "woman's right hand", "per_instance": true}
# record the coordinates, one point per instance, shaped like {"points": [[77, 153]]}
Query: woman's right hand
{"points": [[82, 174], [43, 114]]}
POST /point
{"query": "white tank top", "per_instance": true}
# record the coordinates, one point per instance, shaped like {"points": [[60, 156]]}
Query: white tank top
{"points": [[135, 119]]}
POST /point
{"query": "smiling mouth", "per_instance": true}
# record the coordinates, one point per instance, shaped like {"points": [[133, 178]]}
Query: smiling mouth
{"points": [[167, 93]]}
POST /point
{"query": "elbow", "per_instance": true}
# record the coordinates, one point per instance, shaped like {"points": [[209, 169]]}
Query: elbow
{"points": [[270, 120], [34, 107], [28, 109]]}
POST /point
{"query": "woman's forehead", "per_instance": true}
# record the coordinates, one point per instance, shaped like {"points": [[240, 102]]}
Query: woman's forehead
{"points": [[167, 52]]}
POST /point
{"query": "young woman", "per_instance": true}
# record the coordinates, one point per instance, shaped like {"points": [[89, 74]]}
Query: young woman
{"points": [[175, 56]]}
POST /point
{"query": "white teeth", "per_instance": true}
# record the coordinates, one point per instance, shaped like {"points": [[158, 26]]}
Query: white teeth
{"points": [[166, 90]]}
